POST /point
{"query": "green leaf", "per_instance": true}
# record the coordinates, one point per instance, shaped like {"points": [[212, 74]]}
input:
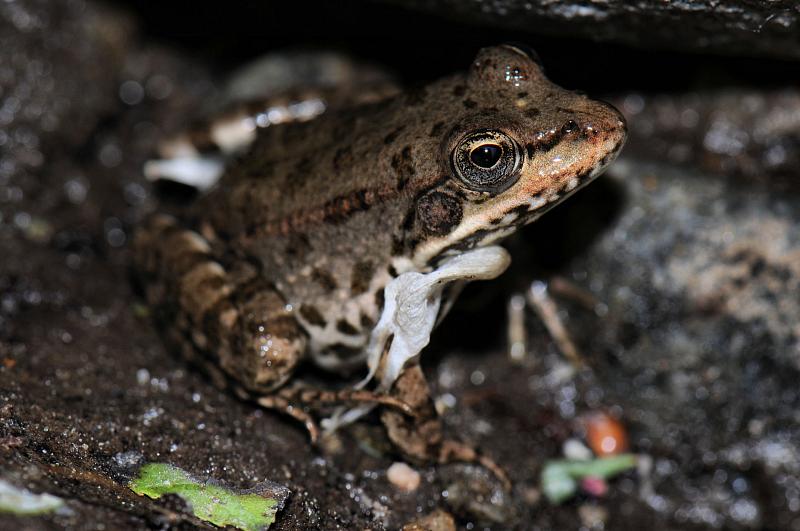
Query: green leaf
{"points": [[559, 479], [252, 510]]}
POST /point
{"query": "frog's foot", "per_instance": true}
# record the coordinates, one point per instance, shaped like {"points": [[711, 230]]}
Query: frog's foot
{"points": [[322, 397], [420, 437], [452, 451], [538, 297], [295, 401]]}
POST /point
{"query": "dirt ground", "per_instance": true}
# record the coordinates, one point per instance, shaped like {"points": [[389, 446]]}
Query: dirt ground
{"points": [[676, 274]]}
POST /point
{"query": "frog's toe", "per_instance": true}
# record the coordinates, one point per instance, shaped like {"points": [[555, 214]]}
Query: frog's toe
{"points": [[282, 405]]}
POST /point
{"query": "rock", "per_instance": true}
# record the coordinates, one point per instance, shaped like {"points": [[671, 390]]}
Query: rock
{"points": [[438, 520], [735, 132], [729, 26], [473, 493]]}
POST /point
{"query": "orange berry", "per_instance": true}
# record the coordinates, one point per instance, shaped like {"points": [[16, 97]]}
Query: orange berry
{"points": [[605, 434]]}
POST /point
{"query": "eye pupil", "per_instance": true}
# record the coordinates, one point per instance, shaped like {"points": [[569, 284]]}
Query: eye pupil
{"points": [[487, 160], [486, 155]]}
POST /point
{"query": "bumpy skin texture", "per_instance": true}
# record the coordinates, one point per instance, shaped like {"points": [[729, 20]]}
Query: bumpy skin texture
{"points": [[289, 254]]}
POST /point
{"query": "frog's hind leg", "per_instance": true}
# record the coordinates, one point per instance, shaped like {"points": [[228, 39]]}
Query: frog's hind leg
{"points": [[224, 317], [197, 157], [322, 397], [232, 323]]}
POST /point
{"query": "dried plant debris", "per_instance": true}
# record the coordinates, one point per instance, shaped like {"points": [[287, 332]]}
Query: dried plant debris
{"points": [[250, 510], [22, 502]]}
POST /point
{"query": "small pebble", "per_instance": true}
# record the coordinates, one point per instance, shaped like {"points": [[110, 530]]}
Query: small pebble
{"points": [[403, 477], [593, 516], [575, 449], [438, 520]]}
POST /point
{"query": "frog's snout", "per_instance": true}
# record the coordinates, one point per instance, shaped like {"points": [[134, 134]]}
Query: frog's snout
{"points": [[604, 131]]}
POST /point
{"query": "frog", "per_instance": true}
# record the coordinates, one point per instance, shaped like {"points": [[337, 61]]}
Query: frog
{"points": [[341, 236]]}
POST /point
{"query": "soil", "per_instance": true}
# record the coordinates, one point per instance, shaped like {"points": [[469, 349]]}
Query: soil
{"points": [[676, 276]]}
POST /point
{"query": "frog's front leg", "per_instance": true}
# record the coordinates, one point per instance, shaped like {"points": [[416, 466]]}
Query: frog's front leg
{"points": [[420, 436]]}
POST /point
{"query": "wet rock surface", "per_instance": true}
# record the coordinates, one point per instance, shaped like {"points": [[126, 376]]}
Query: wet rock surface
{"points": [[676, 276], [739, 27]]}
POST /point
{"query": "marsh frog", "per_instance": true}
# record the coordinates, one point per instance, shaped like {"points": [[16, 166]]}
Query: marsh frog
{"points": [[340, 237]]}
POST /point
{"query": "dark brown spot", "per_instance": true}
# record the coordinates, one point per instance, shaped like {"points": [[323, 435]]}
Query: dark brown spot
{"points": [[416, 96], [312, 315], [392, 271], [344, 352], [346, 328], [248, 290], [520, 210], [439, 212], [522, 95], [283, 326], [361, 277], [379, 299], [342, 157], [403, 165], [366, 321], [299, 173], [391, 137], [437, 129], [298, 245], [459, 90], [200, 138], [533, 112], [397, 245], [346, 124], [207, 287], [324, 279], [408, 224], [469, 104], [551, 140]]}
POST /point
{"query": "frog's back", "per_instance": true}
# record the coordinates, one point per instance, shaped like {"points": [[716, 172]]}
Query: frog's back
{"points": [[299, 176]]}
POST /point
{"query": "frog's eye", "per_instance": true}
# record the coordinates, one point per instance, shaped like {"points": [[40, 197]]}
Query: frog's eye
{"points": [[487, 161]]}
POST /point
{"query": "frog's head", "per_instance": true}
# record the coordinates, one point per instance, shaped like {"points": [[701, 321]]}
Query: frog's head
{"points": [[518, 146]]}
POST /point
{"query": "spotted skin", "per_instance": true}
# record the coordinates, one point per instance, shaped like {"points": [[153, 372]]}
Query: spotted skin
{"points": [[287, 257]]}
